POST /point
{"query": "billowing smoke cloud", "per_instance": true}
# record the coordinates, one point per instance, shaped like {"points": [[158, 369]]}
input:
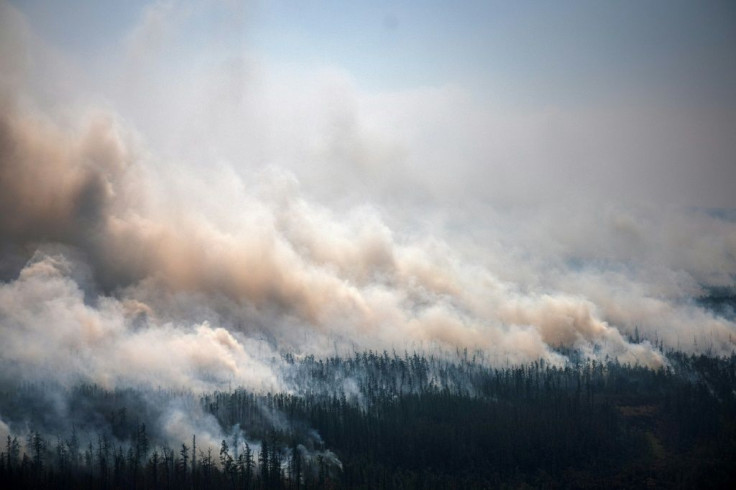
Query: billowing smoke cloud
{"points": [[48, 327], [276, 265], [123, 265]]}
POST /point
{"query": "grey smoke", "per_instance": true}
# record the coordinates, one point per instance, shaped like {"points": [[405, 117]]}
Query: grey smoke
{"points": [[248, 217]]}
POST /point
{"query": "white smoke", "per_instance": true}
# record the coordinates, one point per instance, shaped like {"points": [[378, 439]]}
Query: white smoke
{"points": [[186, 233]]}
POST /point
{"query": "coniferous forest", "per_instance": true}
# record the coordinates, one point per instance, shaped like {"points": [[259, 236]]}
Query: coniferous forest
{"points": [[380, 420], [296, 245]]}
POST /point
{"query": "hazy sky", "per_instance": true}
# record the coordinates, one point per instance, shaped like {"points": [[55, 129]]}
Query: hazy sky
{"points": [[504, 101], [543, 53]]}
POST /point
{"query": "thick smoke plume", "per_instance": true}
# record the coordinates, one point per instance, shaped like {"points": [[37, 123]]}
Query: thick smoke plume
{"points": [[120, 274], [123, 266]]}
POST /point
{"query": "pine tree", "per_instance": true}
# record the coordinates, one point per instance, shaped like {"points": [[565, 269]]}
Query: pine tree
{"points": [[274, 471], [141, 444], [295, 466], [226, 461], [73, 449], [12, 452], [182, 463], [38, 447], [207, 466], [153, 467], [248, 465], [263, 462]]}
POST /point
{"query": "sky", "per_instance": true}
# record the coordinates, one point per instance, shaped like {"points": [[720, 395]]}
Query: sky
{"points": [[222, 181], [629, 99]]}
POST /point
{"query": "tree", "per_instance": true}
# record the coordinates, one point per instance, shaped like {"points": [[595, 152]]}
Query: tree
{"points": [[153, 467], [12, 452], [226, 462], [248, 465], [194, 453], [141, 444], [182, 463], [38, 447], [263, 462], [295, 467], [274, 471], [103, 455], [207, 466]]}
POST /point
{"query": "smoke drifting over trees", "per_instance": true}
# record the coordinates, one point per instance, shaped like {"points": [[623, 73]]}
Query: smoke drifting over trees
{"points": [[392, 421], [184, 229]]}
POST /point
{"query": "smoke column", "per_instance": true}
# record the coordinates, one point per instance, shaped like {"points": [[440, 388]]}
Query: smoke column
{"points": [[130, 258]]}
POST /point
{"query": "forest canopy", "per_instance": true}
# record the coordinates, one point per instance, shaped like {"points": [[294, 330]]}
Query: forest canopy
{"points": [[379, 420]]}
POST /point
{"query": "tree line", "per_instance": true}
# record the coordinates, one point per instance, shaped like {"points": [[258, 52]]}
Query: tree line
{"points": [[380, 420]]}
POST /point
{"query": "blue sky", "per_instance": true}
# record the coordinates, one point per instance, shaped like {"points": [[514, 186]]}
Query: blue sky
{"points": [[543, 51], [539, 51]]}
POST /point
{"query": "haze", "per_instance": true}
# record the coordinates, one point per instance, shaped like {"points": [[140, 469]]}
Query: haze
{"points": [[189, 188]]}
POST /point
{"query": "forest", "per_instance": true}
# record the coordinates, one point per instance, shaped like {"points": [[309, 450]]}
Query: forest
{"points": [[280, 245], [384, 420]]}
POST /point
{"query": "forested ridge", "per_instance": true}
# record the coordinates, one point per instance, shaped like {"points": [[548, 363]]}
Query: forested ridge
{"points": [[380, 420]]}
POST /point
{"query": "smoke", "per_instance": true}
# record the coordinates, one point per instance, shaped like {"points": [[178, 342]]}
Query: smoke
{"points": [[183, 417], [4, 430], [130, 260], [52, 334]]}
